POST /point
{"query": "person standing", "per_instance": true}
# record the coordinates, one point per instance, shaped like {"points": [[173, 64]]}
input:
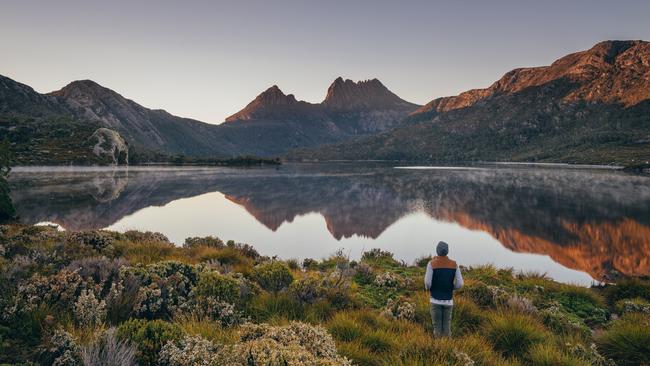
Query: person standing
{"points": [[441, 279]]}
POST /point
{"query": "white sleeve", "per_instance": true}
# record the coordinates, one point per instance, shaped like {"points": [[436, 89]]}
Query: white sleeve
{"points": [[428, 277], [458, 279]]}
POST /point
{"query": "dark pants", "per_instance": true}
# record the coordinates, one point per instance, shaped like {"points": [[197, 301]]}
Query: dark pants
{"points": [[441, 318]]}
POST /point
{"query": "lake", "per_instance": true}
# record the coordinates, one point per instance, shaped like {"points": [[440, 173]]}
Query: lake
{"points": [[578, 225]]}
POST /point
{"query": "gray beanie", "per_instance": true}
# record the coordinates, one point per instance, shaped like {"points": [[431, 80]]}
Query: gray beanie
{"points": [[442, 249]]}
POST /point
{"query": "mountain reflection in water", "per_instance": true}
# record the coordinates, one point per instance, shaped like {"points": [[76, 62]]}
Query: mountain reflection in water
{"points": [[593, 221]]}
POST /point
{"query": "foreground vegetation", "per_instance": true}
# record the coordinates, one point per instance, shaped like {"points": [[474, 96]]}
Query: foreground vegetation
{"points": [[106, 298]]}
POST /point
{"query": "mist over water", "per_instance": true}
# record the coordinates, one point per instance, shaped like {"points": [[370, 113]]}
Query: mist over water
{"points": [[577, 225]]}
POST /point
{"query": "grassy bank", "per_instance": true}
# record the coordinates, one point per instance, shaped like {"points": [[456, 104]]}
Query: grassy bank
{"points": [[99, 298]]}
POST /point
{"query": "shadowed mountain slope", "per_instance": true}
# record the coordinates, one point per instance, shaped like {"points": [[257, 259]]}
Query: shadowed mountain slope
{"points": [[587, 107]]}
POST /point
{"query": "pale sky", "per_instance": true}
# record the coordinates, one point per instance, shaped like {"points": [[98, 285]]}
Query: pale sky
{"points": [[208, 59]]}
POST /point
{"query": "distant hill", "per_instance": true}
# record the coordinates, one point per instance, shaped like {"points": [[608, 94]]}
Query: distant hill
{"points": [[272, 124], [588, 107]]}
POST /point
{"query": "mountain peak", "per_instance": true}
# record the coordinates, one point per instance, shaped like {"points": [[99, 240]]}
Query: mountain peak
{"points": [[345, 94], [270, 104], [85, 89]]}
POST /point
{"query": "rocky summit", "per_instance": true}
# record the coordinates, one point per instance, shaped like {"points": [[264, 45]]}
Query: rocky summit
{"points": [[275, 123], [588, 107]]}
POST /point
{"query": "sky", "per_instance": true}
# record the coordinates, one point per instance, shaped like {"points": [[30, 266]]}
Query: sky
{"points": [[207, 59]]}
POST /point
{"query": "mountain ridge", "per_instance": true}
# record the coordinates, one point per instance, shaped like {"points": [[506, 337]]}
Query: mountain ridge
{"points": [[588, 107], [275, 123]]}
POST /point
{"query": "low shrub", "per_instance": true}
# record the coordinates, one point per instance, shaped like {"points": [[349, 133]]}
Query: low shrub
{"points": [[207, 241], [400, 309], [189, 351], [584, 303], [562, 322], [307, 289], [627, 289], [272, 276], [422, 261], [364, 274], [220, 287], [149, 336], [379, 257], [636, 305]]}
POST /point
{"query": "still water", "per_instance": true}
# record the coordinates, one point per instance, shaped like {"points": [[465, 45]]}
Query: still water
{"points": [[576, 225]]}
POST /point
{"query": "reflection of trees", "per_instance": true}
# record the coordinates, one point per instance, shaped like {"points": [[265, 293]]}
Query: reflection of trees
{"points": [[594, 221]]}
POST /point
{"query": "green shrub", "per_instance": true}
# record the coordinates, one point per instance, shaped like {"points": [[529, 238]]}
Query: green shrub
{"points": [[627, 340], [584, 303], [215, 285], [423, 261], [207, 241], [548, 355], [628, 289], [310, 264], [379, 257], [363, 274], [563, 323], [514, 334], [307, 289], [637, 305], [272, 276], [148, 336]]}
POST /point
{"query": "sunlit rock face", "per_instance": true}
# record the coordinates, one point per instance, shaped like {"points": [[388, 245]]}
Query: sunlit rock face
{"points": [[110, 145], [596, 221]]}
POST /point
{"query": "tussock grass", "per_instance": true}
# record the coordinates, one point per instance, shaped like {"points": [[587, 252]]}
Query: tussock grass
{"points": [[548, 354], [514, 334], [208, 329], [627, 340]]}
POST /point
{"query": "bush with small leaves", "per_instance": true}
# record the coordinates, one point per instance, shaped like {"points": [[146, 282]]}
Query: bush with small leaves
{"points": [[97, 240], [62, 350], [636, 305], [590, 354], [379, 257], [307, 289], [88, 310], [309, 264], [389, 280], [561, 322], [215, 285], [160, 287], [148, 336], [189, 351], [272, 276], [399, 309], [146, 236], [211, 308], [364, 274], [207, 241], [59, 291]]}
